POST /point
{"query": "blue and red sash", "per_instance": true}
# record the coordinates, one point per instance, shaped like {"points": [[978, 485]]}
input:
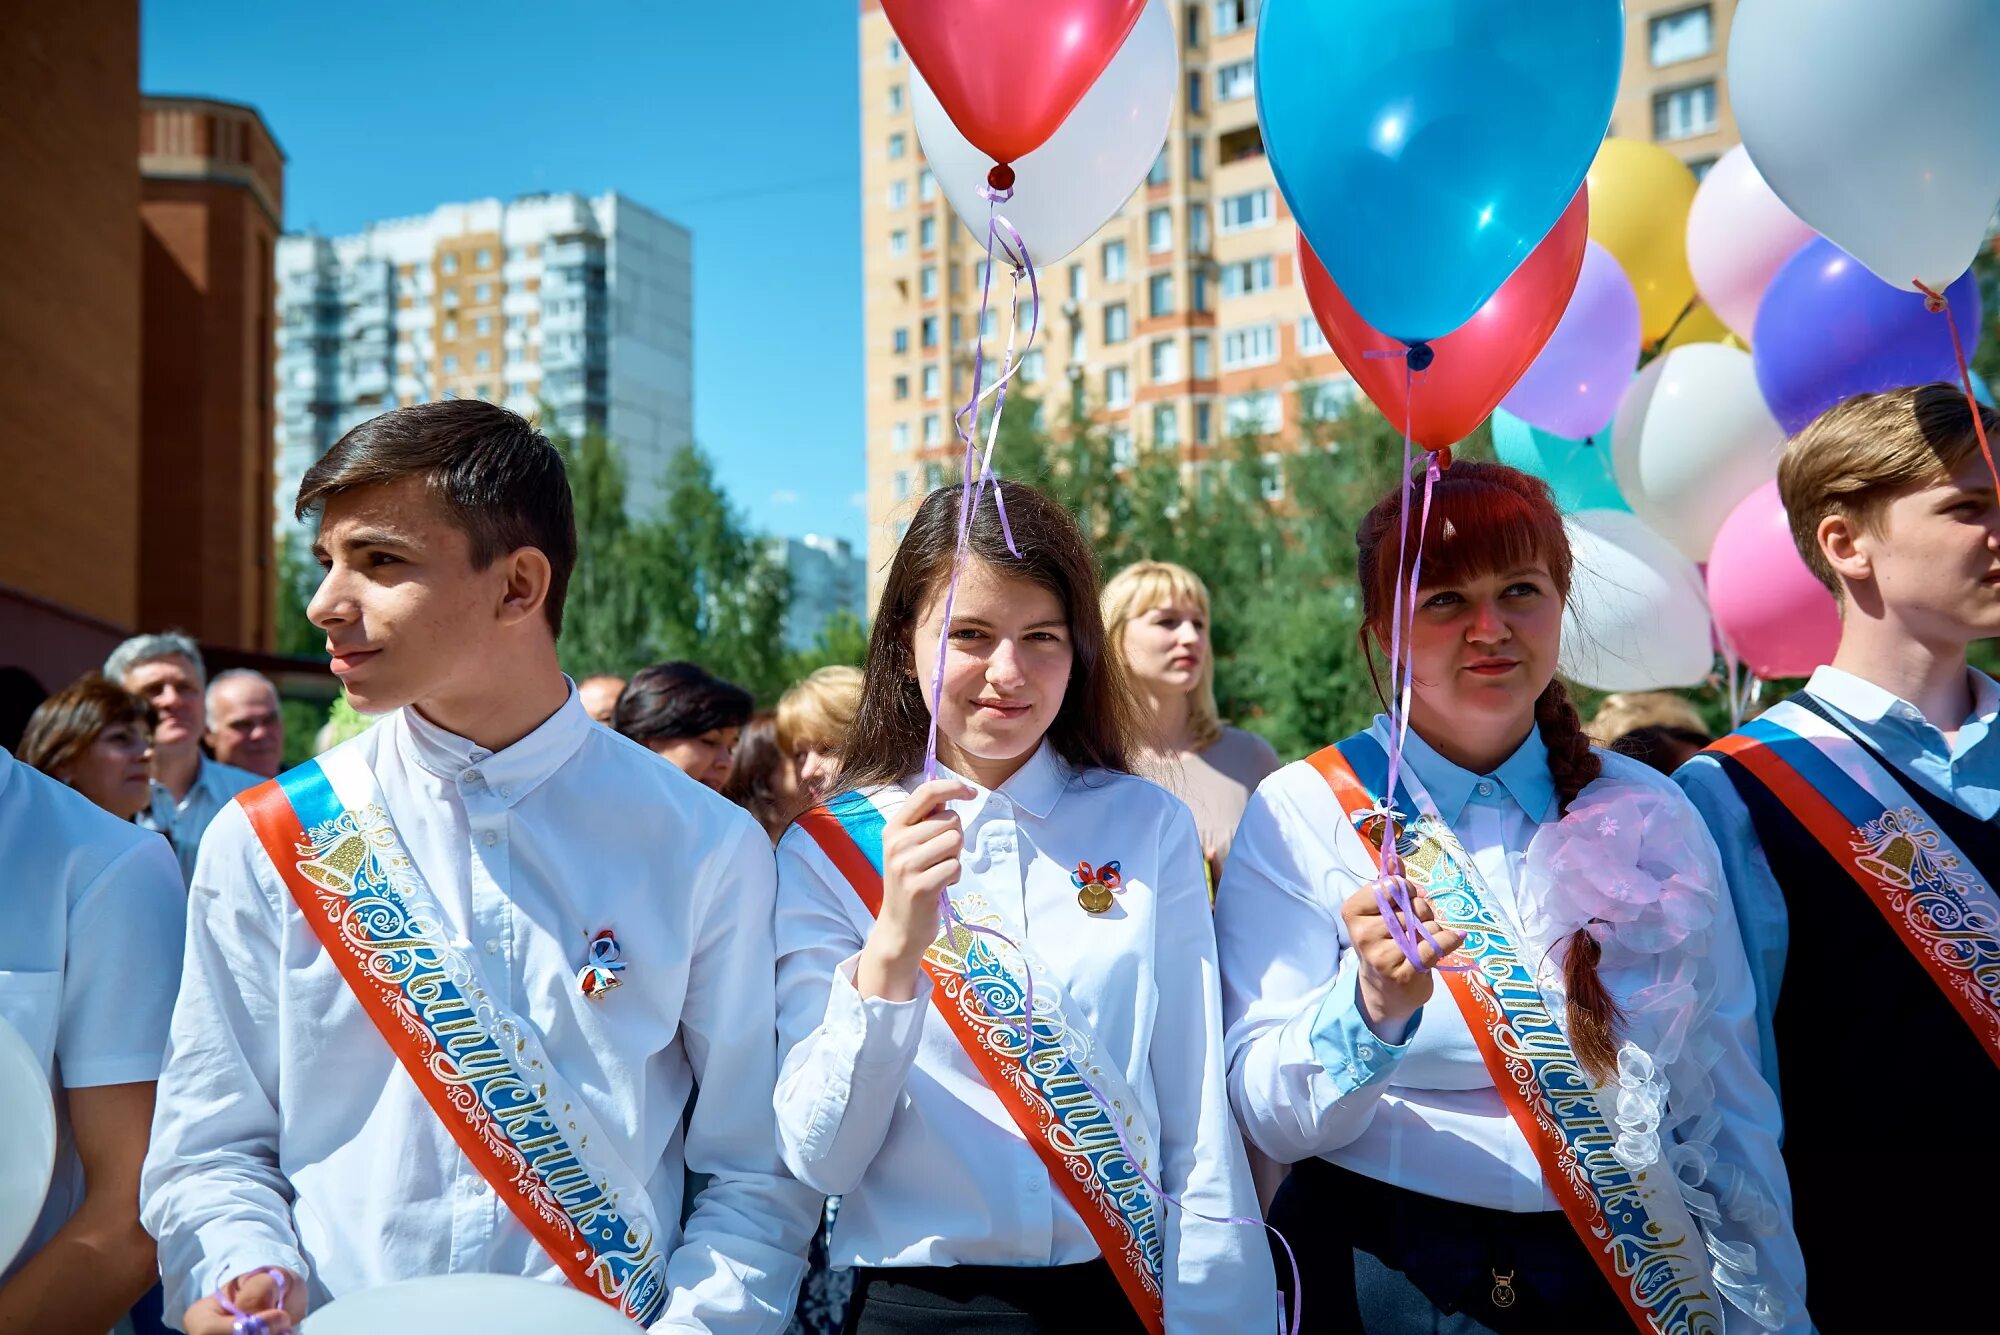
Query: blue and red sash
{"points": [[482, 1070], [1047, 1090], [1635, 1226], [1935, 898]]}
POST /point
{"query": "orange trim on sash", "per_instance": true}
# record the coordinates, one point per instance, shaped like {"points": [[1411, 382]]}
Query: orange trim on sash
{"points": [[1543, 1138], [851, 862], [1835, 832], [277, 827]]}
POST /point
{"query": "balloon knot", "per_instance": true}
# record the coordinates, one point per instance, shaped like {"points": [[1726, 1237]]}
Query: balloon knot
{"points": [[1933, 299], [1001, 178], [1419, 357], [1443, 456]]}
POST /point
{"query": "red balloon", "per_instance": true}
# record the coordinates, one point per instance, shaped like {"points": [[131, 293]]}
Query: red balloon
{"points": [[1477, 363], [1007, 72]]}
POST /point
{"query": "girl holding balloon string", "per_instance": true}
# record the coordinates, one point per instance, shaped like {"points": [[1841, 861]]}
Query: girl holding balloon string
{"points": [[1513, 1059], [1018, 1093]]}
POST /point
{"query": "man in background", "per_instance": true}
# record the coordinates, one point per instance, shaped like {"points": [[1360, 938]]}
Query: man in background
{"points": [[245, 728]]}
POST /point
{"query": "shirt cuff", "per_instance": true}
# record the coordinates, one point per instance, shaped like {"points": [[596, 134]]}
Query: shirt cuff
{"points": [[888, 1030], [249, 1249], [1351, 1053]]}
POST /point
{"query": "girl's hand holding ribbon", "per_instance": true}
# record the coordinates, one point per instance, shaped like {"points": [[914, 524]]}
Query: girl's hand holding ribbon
{"points": [[1392, 988]]}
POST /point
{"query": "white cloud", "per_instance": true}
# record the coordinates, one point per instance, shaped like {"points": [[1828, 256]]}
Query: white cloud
{"points": [[784, 498]]}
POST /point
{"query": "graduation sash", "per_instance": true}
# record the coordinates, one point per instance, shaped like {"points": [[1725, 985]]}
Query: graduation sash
{"points": [[1934, 898], [1048, 1090], [482, 1070], [1635, 1226]]}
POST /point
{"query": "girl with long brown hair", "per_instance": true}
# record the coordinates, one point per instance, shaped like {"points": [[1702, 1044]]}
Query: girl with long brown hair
{"points": [[1571, 1132], [998, 1005]]}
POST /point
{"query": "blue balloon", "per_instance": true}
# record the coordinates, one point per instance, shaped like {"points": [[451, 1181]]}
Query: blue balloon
{"points": [[1578, 471], [1828, 328], [1981, 390], [1426, 149]]}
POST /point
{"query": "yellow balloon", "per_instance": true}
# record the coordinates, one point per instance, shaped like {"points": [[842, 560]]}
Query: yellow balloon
{"points": [[1700, 325], [1639, 200]]}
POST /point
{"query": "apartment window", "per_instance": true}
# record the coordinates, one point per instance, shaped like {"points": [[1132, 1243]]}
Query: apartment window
{"points": [[483, 390], [483, 325], [1117, 387], [483, 260], [926, 186], [1166, 425], [516, 253], [895, 51], [927, 234], [1195, 81], [1258, 412], [1161, 172], [1682, 113], [1700, 166], [449, 264], [516, 323], [1117, 323], [1193, 26], [933, 429], [448, 331], [1242, 212], [1160, 295], [899, 243], [1234, 15], [1201, 356], [895, 97], [933, 476], [1272, 484], [1122, 455], [899, 194], [899, 144], [1159, 230], [1114, 261], [927, 285], [1076, 282], [1330, 398], [1312, 339], [1165, 356], [901, 490], [450, 298], [1204, 422], [517, 389], [900, 340], [1687, 34], [450, 363], [1197, 153], [1240, 145], [929, 331], [1248, 277], [902, 387], [482, 294], [1198, 228], [899, 437], [932, 387], [1235, 80], [1253, 345], [1199, 301], [1078, 345], [1033, 367]]}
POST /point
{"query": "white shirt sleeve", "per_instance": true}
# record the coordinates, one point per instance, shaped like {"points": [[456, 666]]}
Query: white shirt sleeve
{"points": [[1283, 953], [845, 1057], [211, 1191], [1218, 1275], [743, 1254], [122, 968]]}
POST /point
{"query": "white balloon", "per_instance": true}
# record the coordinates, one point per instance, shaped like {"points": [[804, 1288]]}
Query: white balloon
{"points": [[1692, 438], [1066, 189], [1873, 120], [1637, 616], [1739, 234], [468, 1305], [28, 1142]]}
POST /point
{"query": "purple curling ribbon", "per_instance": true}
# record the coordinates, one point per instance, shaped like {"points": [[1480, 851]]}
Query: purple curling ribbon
{"points": [[251, 1323]]}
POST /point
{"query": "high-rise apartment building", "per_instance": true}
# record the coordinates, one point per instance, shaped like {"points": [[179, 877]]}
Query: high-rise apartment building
{"points": [[1182, 322], [578, 309], [827, 579]]}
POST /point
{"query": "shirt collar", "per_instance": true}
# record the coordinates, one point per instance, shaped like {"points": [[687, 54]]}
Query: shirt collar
{"points": [[509, 774], [1033, 788], [1865, 702], [7, 763], [1524, 775]]}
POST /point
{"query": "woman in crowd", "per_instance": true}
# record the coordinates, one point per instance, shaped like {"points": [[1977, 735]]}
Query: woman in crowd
{"points": [[903, 1087], [814, 718], [681, 712], [97, 737], [763, 781], [1156, 617], [1574, 1134]]}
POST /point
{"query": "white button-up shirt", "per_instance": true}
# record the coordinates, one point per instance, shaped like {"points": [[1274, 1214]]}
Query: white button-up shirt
{"points": [[287, 1133], [184, 822], [90, 951], [879, 1103]]}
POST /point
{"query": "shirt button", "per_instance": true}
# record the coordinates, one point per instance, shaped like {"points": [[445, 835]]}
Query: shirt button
{"points": [[506, 792], [1365, 1052], [470, 776], [1486, 790], [491, 838], [493, 945]]}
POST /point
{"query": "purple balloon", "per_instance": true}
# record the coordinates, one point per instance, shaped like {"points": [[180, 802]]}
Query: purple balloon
{"points": [[1574, 385], [1827, 328]]}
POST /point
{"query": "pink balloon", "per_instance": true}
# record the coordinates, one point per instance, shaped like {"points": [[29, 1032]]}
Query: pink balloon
{"points": [[1573, 386], [1781, 621], [1739, 234]]}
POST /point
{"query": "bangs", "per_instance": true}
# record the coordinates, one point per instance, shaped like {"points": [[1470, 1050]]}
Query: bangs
{"points": [[1478, 526], [1141, 587]]}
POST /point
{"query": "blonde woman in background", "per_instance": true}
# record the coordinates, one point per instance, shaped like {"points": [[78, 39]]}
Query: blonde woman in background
{"points": [[814, 718], [1156, 617]]}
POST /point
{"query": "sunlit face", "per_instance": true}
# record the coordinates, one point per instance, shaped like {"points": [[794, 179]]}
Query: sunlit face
{"points": [[1482, 650], [1005, 671], [407, 617], [1934, 556], [1166, 647], [600, 696], [173, 688], [816, 764], [244, 728], [115, 771], [707, 759]]}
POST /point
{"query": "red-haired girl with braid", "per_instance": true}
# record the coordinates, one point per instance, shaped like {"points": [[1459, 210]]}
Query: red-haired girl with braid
{"points": [[1553, 1117]]}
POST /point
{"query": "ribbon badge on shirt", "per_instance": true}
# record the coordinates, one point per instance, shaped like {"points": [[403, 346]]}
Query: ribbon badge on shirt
{"points": [[600, 974], [1096, 886]]}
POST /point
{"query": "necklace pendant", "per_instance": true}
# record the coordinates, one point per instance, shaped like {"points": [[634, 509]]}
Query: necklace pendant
{"points": [[1094, 897], [1503, 1289]]}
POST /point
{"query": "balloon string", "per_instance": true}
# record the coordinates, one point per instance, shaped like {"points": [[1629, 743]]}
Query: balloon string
{"points": [[1935, 300]]}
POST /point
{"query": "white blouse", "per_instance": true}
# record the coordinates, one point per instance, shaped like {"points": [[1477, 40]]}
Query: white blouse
{"points": [[878, 1103], [1310, 1078]]}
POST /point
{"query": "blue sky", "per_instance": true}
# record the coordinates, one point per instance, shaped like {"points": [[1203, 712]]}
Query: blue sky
{"points": [[740, 121]]}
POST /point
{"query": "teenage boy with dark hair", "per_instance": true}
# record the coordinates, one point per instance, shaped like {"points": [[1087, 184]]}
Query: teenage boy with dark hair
{"points": [[449, 986]]}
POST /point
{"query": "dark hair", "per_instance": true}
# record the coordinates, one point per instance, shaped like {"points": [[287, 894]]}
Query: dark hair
{"points": [[1486, 517], [500, 481], [668, 701], [20, 696], [892, 727], [1653, 744], [753, 780], [69, 722]]}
